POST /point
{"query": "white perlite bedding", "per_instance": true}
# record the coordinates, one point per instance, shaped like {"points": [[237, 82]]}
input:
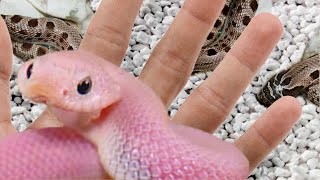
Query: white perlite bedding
{"points": [[298, 157]]}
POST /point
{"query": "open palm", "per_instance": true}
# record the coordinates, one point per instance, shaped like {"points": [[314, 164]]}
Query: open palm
{"points": [[173, 60]]}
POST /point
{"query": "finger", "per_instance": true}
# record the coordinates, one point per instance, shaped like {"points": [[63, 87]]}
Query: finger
{"points": [[110, 28], [5, 74], [269, 130], [211, 102], [175, 55]]}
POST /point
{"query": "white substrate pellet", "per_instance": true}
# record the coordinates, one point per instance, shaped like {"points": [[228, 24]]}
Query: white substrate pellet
{"points": [[298, 156]]}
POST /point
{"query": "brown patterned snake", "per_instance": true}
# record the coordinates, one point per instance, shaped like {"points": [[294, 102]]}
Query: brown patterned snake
{"points": [[32, 37], [233, 19], [35, 37], [301, 78]]}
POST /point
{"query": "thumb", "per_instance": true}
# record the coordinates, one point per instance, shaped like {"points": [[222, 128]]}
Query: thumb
{"points": [[5, 74]]}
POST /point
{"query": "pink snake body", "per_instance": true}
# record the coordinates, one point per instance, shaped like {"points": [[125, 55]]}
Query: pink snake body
{"points": [[119, 127]]}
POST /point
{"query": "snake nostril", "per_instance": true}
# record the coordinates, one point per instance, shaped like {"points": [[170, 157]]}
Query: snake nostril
{"points": [[29, 71], [65, 92]]}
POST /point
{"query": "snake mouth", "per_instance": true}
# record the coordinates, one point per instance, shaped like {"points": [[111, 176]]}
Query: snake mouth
{"points": [[39, 99], [38, 93]]}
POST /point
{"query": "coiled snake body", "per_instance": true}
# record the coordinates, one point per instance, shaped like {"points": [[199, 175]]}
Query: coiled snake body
{"points": [[33, 37], [233, 19], [122, 118], [301, 78]]}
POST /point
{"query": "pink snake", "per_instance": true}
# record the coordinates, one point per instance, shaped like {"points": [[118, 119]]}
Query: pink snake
{"points": [[114, 124]]}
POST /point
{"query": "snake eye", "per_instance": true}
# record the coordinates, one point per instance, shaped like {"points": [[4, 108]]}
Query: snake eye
{"points": [[29, 71], [84, 86]]}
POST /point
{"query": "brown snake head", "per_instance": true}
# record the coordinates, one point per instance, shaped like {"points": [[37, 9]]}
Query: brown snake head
{"points": [[300, 79]]}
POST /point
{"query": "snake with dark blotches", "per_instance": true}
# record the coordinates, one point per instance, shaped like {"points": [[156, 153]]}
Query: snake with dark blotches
{"points": [[33, 37], [233, 19], [300, 79]]}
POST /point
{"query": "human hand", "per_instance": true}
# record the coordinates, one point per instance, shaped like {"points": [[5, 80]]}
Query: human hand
{"points": [[173, 60]]}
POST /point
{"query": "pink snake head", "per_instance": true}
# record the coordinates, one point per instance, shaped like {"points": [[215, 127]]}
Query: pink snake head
{"points": [[80, 84], [67, 82]]}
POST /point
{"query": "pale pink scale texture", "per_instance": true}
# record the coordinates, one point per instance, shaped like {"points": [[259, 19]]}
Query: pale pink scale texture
{"points": [[48, 153], [141, 143]]}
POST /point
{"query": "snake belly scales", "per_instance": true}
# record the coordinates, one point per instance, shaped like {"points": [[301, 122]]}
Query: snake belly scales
{"points": [[35, 37]]}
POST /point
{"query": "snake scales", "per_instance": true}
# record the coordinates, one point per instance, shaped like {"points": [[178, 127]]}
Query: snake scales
{"points": [[233, 19], [301, 78], [32, 37], [35, 37]]}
